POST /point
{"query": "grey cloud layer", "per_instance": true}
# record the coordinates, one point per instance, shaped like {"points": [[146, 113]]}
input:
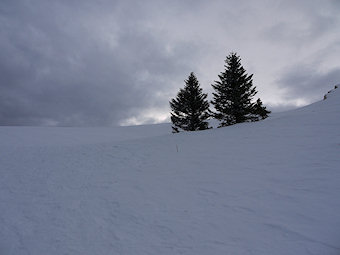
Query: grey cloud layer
{"points": [[59, 67], [98, 63]]}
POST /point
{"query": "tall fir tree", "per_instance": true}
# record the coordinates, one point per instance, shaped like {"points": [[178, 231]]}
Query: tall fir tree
{"points": [[234, 93], [190, 109]]}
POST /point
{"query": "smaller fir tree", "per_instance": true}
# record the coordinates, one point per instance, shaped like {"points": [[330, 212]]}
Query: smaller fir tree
{"points": [[260, 111], [190, 109]]}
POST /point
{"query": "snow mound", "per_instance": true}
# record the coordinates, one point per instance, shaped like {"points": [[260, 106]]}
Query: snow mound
{"points": [[270, 187]]}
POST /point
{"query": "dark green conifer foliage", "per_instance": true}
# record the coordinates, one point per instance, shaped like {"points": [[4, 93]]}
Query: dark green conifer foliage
{"points": [[190, 109], [260, 111], [234, 93]]}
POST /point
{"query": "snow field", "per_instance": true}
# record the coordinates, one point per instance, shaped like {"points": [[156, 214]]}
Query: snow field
{"points": [[270, 187]]}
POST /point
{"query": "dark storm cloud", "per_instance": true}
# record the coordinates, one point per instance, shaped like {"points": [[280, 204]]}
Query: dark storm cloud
{"points": [[59, 67], [98, 63]]}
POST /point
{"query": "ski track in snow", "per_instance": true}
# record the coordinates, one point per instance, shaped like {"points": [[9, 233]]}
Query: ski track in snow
{"points": [[270, 187]]}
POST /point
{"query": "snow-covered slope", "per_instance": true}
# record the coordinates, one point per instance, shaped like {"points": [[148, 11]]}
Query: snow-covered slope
{"points": [[270, 187]]}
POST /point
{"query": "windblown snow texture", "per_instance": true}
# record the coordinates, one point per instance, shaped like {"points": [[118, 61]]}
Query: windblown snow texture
{"points": [[270, 187]]}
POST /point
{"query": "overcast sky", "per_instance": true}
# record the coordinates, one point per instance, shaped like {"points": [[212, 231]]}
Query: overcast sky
{"points": [[104, 63]]}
